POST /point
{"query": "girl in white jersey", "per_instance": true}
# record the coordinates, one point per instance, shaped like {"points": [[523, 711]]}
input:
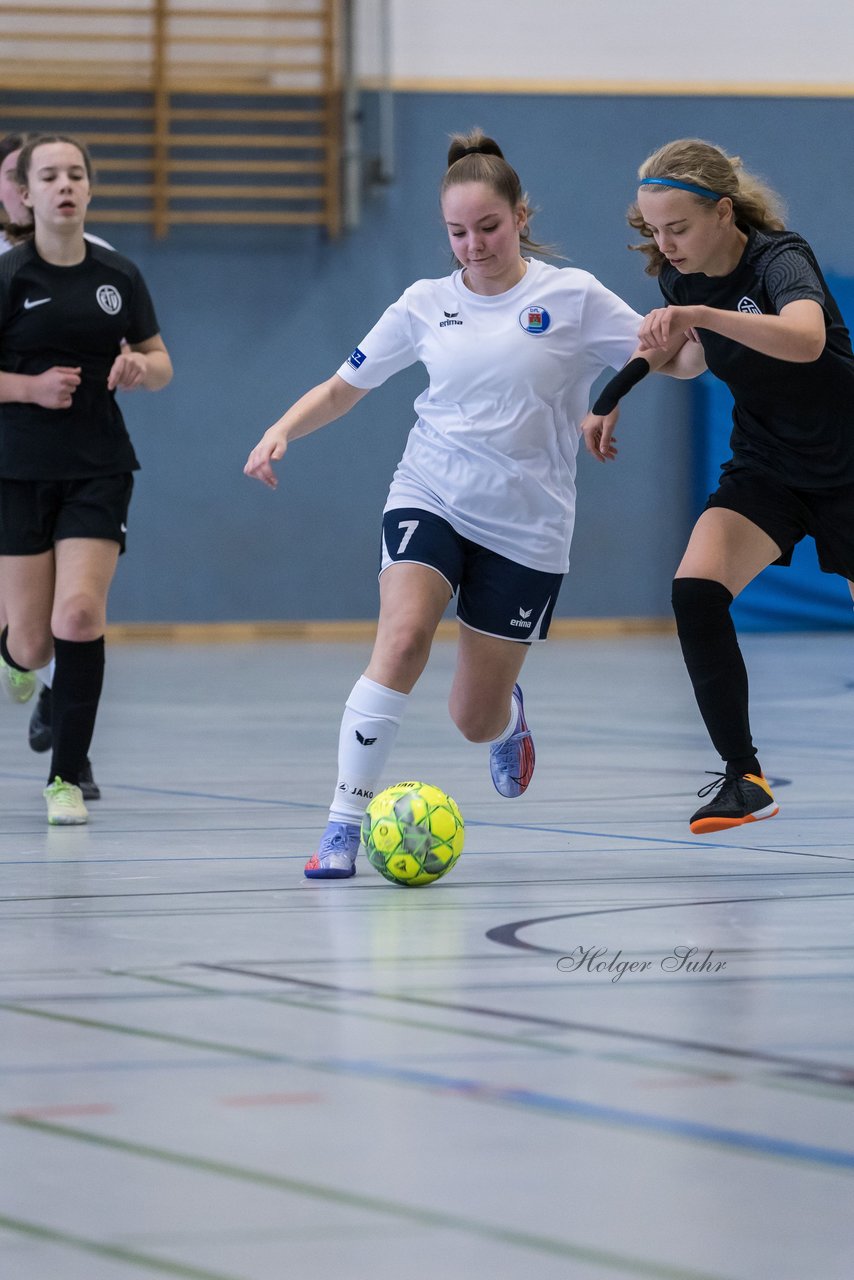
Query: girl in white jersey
{"points": [[66, 461], [483, 500]]}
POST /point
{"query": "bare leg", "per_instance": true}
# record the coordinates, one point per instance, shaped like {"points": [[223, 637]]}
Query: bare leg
{"points": [[487, 669], [413, 598]]}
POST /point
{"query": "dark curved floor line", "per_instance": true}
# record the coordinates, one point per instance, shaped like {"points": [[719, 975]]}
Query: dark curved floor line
{"points": [[506, 934]]}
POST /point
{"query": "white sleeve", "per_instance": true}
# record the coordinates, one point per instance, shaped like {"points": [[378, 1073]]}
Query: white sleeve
{"points": [[609, 325], [388, 348]]}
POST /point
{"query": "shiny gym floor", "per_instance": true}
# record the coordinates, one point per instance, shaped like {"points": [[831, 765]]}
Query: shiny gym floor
{"points": [[600, 1047]]}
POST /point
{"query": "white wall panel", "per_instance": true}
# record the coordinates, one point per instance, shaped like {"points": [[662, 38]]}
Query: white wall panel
{"points": [[614, 44]]}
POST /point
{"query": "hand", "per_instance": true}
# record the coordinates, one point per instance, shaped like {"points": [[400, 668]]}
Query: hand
{"points": [[664, 324], [128, 371], [598, 435], [55, 388], [269, 449]]}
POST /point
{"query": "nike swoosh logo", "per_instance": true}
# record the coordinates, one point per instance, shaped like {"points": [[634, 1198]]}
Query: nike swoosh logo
{"points": [[39, 302]]}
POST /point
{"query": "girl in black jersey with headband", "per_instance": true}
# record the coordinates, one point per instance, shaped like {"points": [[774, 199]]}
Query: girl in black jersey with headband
{"points": [[66, 460], [752, 299]]}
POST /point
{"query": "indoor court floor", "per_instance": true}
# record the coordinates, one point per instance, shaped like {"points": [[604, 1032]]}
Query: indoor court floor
{"points": [[600, 1048]]}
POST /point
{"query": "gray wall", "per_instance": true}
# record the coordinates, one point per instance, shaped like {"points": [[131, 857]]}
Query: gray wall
{"points": [[253, 318]]}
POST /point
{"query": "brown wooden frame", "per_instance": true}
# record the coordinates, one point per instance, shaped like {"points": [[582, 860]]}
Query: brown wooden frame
{"points": [[189, 134]]}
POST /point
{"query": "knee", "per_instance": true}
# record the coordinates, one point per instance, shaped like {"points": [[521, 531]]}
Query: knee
{"points": [[79, 617], [30, 646], [699, 604], [404, 652]]}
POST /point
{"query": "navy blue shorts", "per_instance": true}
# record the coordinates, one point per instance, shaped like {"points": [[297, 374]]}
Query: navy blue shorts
{"points": [[787, 515], [36, 514], [495, 596]]}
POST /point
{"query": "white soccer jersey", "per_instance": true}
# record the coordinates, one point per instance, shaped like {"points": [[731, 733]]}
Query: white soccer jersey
{"points": [[493, 450]]}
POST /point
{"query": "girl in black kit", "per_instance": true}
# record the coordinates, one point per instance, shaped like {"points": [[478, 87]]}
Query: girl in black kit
{"points": [[66, 460], [751, 298]]}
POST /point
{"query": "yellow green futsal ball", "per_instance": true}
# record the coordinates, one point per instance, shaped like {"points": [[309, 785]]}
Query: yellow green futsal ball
{"points": [[413, 833]]}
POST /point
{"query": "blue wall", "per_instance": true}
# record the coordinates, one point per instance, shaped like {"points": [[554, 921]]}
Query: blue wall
{"points": [[254, 317]]}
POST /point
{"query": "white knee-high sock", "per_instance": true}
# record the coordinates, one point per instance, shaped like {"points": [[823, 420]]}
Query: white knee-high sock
{"points": [[46, 674], [369, 728]]}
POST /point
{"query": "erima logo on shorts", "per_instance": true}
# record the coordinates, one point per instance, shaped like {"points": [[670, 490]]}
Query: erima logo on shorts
{"points": [[535, 320], [524, 619], [450, 318], [109, 299], [357, 358], [749, 307]]}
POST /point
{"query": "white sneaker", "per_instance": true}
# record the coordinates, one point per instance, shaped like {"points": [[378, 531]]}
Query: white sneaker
{"points": [[65, 807], [19, 685]]}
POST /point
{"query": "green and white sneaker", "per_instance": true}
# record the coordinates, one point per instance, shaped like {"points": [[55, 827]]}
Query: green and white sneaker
{"points": [[65, 807], [19, 685]]}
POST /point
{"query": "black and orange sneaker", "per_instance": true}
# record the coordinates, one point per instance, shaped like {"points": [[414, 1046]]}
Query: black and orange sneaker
{"points": [[740, 799]]}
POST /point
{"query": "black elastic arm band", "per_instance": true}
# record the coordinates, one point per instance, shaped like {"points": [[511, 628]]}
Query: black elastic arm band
{"points": [[610, 396]]}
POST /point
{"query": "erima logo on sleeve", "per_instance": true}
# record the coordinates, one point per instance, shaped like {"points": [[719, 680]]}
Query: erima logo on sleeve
{"points": [[356, 359]]}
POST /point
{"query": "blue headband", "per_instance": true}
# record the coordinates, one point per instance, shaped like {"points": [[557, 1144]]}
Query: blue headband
{"points": [[683, 186]]}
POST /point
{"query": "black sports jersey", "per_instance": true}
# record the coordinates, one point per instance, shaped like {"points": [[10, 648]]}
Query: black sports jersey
{"points": [[795, 421], [73, 316]]}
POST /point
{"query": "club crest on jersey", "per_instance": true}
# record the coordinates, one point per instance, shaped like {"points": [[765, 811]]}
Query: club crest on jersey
{"points": [[535, 319], [749, 307], [109, 299], [356, 359]]}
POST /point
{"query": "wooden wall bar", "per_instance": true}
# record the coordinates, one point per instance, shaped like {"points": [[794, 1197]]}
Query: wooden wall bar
{"points": [[193, 112]]}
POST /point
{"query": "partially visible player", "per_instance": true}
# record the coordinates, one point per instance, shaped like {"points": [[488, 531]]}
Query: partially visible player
{"points": [[17, 215], [753, 297], [66, 461], [482, 503]]}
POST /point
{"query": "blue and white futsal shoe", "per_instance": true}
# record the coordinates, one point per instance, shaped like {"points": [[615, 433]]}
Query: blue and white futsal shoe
{"points": [[336, 855], [511, 762]]}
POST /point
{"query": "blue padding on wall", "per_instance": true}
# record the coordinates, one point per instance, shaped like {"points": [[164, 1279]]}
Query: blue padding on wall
{"points": [[799, 597]]}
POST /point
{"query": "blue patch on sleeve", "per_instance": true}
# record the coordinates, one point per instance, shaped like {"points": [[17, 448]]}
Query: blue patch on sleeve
{"points": [[356, 359]]}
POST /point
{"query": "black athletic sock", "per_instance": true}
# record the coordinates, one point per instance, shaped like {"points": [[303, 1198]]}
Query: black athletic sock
{"points": [[6, 655], [716, 668], [76, 693]]}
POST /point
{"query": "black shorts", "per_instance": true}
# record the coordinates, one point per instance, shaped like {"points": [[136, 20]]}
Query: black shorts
{"points": [[787, 515], [497, 596], [36, 514]]}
